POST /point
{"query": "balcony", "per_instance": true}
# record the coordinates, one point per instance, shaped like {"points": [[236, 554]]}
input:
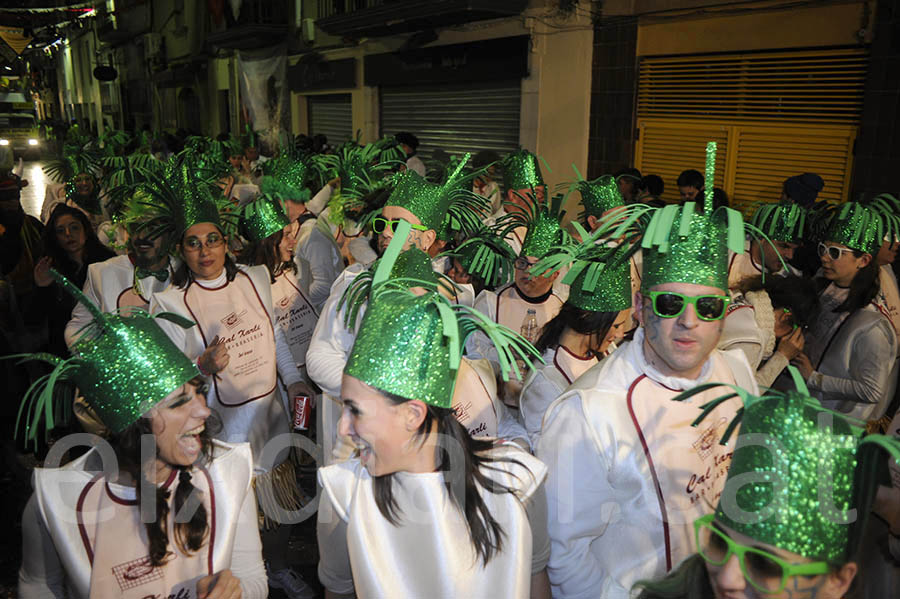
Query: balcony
{"points": [[259, 24], [379, 18]]}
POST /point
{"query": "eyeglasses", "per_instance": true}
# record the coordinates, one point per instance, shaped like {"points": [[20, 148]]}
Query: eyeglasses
{"points": [[767, 573], [379, 224], [668, 304], [834, 252], [523, 263], [193, 244]]}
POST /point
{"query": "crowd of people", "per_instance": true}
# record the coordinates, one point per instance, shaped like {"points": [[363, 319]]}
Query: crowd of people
{"points": [[641, 399]]}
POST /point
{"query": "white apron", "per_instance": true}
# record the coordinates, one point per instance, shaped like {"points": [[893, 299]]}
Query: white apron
{"points": [[294, 314]]}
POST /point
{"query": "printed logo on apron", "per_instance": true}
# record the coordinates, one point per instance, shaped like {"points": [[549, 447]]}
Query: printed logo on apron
{"points": [[294, 314], [236, 314]]}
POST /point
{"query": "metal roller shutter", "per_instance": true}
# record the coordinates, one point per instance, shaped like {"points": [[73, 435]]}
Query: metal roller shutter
{"points": [[331, 115], [456, 118], [778, 114]]}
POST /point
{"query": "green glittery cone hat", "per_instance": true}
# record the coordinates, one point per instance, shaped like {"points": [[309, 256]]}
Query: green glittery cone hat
{"points": [[681, 245], [262, 217], [521, 170], [598, 196], [796, 471], [80, 154], [543, 221], [432, 203], [411, 345], [408, 268], [486, 255], [863, 226], [124, 365], [181, 196], [599, 275], [784, 221], [286, 178]]}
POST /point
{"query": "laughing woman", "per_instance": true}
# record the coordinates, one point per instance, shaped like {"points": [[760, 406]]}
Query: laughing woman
{"points": [[86, 532], [425, 510], [236, 339]]}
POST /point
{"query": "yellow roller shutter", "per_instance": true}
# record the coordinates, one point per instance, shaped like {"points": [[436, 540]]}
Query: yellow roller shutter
{"points": [[774, 115]]}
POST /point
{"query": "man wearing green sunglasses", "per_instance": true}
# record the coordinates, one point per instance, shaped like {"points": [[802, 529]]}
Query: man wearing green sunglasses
{"points": [[628, 474]]}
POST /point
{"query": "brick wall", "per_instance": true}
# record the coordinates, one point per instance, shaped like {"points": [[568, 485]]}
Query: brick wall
{"points": [[613, 81], [878, 145]]}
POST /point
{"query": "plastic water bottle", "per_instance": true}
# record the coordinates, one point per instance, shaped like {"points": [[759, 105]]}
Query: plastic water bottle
{"points": [[530, 326]]}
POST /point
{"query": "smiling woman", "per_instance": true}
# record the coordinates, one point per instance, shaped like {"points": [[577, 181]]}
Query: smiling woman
{"points": [[100, 529], [480, 529]]}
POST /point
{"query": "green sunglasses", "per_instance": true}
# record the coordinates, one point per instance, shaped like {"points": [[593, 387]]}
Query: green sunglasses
{"points": [[766, 572], [669, 304], [379, 224]]}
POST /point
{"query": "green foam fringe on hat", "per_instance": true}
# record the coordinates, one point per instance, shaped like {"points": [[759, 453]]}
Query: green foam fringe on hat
{"points": [[784, 221], [797, 470], [124, 365], [411, 345], [863, 226]]}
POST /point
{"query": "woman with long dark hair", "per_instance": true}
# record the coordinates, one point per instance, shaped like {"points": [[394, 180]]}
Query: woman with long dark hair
{"points": [[131, 519], [423, 509], [272, 240], [593, 319], [70, 245], [235, 340], [849, 358]]}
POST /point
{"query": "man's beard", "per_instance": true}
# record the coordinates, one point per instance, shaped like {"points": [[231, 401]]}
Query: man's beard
{"points": [[145, 260]]}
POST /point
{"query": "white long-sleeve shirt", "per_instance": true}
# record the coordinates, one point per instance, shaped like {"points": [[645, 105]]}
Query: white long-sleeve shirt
{"points": [[628, 474]]}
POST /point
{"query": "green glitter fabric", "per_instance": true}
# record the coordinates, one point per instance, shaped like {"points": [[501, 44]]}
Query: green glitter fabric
{"points": [[542, 222], [521, 170], [797, 470], [180, 197], [863, 227], [782, 462], [286, 178], [784, 221], [411, 345], [262, 217], [600, 195], [123, 365], [599, 275], [432, 204], [682, 245], [604, 288]]}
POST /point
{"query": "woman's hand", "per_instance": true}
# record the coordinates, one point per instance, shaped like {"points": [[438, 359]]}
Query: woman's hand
{"points": [[792, 344], [42, 276], [801, 361], [214, 358], [221, 585], [302, 388]]}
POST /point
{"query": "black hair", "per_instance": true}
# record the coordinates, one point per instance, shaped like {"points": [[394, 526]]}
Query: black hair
{"points": [[863, 288], [94, 251], [584, 322], [720, 198], [484, 158], [485, 532], [407, 138], [690, 178], [689, 580], [191, 535], [629, 173], [266, 252], [652, 184], [797, 294]]}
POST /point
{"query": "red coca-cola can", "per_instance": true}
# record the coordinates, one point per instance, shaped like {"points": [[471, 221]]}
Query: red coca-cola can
{"points": [[301, 412]]}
